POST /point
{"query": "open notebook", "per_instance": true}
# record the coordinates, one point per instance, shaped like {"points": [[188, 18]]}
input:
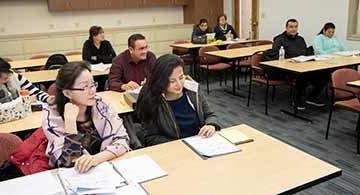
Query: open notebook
{"points": [[213, 146]]}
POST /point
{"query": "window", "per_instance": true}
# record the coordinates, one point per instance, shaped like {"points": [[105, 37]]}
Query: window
{"points": [[353, 31]]}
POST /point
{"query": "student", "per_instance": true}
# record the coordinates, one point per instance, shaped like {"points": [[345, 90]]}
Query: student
{"points": [[326, 42], [81, 128], [131, 68], [199, 33], [223, 30], [168, 110], [11, 83], [96, 49], [294, 46]]}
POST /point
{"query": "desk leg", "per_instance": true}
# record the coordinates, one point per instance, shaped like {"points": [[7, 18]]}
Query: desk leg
{"points": [[233, 75], [294, 113]]}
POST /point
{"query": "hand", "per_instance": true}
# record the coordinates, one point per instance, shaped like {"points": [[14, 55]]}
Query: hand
{"points": [[130, 86], [207, 131], [85, 162], [71, 112], [51, 100]]}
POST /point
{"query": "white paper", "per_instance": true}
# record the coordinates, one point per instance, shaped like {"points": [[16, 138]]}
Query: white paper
{"points": [[103, 176], [139, 169], [43, 183], [324, 57], [303, 58], [212, 146], [135, 91], [100, 67], [131, 189], [348, 53]]}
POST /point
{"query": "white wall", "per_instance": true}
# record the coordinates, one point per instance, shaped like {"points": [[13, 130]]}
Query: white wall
{"points": [[312, 15], [245, 18], [228, 10], [32, 16]]}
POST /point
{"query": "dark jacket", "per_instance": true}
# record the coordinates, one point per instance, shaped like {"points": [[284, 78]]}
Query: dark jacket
{"points": [[294, 45], [164, 128], [220, 33], [104, 54], [198, 36]]}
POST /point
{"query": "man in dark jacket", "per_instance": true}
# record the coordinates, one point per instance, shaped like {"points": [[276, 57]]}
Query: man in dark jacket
{"points": [[294, 45], [198, 36]]}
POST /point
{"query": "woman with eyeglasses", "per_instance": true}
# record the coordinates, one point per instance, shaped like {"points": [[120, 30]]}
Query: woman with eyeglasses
{"points": [[81, 128]]}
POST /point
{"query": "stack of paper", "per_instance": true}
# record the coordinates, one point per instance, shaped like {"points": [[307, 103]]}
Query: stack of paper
{"points": [[43, 183], [139, 169], [348, 53], [100, 67], [235, 136], [303, 58], [100, 179], [215, 145]]}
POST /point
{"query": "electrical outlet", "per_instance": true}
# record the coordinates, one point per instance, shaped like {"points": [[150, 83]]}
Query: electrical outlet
{"points": [[51, 26], [76, 25], [153, 19], [2, 29], [119, 22]]}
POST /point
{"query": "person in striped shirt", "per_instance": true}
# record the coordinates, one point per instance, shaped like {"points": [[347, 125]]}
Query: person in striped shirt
{"points": [[11, 83]]}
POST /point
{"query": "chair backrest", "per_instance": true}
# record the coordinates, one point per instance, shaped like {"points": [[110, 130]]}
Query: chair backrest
{"points": [[72, 53], [39, 56], [208, 59], [55, 59], [256, 58], [262, 42], [8, 143], [180, 51], [236, 45], [339, 79]]}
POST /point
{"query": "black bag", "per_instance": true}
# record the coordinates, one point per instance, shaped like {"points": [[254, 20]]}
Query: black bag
{"points": [[55, 61], [270, 54], [9, 171]]}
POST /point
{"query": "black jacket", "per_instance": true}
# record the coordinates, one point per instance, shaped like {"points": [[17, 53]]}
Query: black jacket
{"points": [[165, 129], [198, 36], [104, 54], [220, 33], [294, 45]]}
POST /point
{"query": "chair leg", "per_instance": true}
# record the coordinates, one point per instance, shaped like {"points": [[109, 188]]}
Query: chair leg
{"points": [[207, 81], [238, 71], [225, 79], [291, 94], [221, 77], [266, 97], [329, 121], [249, 92], [273, 93], [358, 135]]}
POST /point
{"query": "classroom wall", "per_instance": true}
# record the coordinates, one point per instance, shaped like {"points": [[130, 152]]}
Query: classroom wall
{"points": [[32, 16], [228, 10], [312, 15]]}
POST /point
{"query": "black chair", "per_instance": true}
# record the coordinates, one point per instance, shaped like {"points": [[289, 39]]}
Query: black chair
{"points": [[55, 61]]}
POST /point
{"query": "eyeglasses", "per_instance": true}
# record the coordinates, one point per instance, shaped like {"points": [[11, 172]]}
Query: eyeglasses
{"points": [[87, 88]]}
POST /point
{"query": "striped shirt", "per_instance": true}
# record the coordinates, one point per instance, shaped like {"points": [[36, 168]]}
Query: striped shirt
{"points": [[33, 90]]}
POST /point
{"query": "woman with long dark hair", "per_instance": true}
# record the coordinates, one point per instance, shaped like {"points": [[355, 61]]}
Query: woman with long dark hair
{"points": [[96, 49], [326, 42], [170, 108], [82, 130]]}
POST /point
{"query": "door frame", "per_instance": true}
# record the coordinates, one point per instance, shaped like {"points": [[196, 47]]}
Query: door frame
{"points": [[254, 16]]}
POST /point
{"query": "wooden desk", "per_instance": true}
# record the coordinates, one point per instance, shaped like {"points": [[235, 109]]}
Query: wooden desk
{"points": [[239, 52], [196, 46], [289, 65], [354, 84], [19, 64], [265, 166], [50, 75], [33, 121]]}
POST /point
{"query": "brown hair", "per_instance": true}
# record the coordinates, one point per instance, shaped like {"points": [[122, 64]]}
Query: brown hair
{"points": [[94, 31]]}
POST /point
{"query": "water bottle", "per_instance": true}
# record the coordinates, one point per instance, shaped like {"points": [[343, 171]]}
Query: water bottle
{"points": [[281, 53]]}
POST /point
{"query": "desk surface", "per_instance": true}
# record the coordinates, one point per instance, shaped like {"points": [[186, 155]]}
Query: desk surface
{"points": [[354, 83], [18, 64], [193, 46], [33, 121], [50, 75], [239, 52], [288, 64], [265, 166]]}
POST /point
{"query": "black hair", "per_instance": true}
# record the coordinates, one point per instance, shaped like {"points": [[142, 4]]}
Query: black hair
{"points": [[222, 15], [150, 96], [65, 79], [203, 20], [291, 20], [4, 66], [133, 38], [327, 26]]}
